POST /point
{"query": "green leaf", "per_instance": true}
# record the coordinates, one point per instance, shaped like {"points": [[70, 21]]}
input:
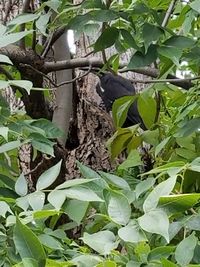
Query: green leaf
{"points": [[160, 146], [86, 260], [117, 143], [56, 198], [51, 130], [36, 200], [115, 180], [50, 242], [4, 208], [104, 15], [21, 186], [24, 18], [195, 6], [162, 189], [185, 250], [48, 177], [42, 144], [160, 252], [9, 146], [102, 242], [120, 109], [28, 244], [75, 182], [12, 38], [82, 193], [133, 159], [119, 209], [87, 172], [151, 33], [4, 132], [76, 210], [178, 203], [173, 53], [106, 39], [5, 59], [143, 186], [147, 108], [27, 85], [139, 59], [189, 128], [132, 233], [167, 263], [181, 42], [42, 23], [128, 38], [155, 221]]}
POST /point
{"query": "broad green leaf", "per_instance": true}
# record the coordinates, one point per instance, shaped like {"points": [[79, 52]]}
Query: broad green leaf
{"points": [[12, 38], [82, 193], [43, 145], [173, 53], [117, 143], [76, 210], [28, 244], [161, 145], [193, 222], [106, 39], [36, 200], [48, 177], [195, 5], [120, 109], [132, 233], [104, 15], [107, 263], [4, 208], [143, 186], [155, 221], [87, 172], [51, 130], [86, 260], [50, 242], [185, 250], [151, 137], [189, 128], [151, 33], [128, 38], [42, 22], [4, 132], [167, 263], [24, 18], [147, 108], [56, 198], [5, 59], [22, 202], [162, 189], [27, 85], [40, 214], [161, 252], [21, 186], [178, 203], [180, 42], [115, 180], [119, 209], [139, 59], [9, 146], [102, 242], [75, 182], [133, 159]]}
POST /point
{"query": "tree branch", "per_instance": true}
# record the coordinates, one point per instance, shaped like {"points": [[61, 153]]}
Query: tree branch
{"points": [[98, 63]]}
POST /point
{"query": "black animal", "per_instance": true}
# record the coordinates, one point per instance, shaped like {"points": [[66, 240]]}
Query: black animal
{"points": [[112, 87]]}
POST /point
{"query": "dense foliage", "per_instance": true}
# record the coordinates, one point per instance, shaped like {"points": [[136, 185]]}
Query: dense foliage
{"points": [[147, 212]]}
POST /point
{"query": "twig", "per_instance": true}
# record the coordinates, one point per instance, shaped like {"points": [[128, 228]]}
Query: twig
{"points": [[166, 80], [52, 82], [47, 46], [38, 165], [168, 13]]}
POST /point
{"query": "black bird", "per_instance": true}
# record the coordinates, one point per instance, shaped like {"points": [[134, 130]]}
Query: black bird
{"points": [[112, 87]]}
